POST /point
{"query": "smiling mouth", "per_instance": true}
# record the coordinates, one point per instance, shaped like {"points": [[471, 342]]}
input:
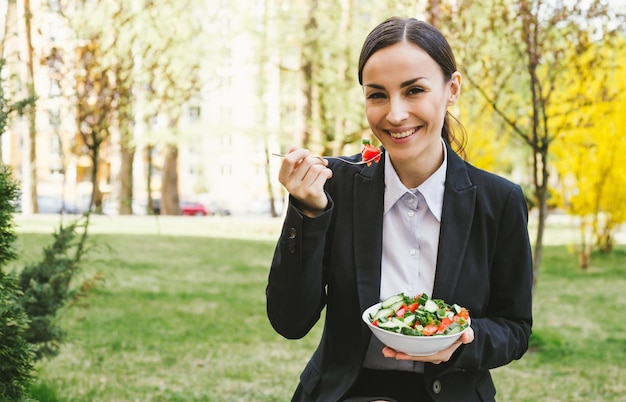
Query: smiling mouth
{"points": [[402, 134]]}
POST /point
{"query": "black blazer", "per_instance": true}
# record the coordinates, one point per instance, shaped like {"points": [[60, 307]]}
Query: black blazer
{"points": [[333, 261]]}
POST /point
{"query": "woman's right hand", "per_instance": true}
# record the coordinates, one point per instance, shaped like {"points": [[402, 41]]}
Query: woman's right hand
{"points": [[304, 176]]}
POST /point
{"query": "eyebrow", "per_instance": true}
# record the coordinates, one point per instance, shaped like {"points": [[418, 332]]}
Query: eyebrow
{"points": [[404, 84]]}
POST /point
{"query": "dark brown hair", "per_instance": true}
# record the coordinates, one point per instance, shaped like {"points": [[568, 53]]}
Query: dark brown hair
{"points": [[429, 39]]}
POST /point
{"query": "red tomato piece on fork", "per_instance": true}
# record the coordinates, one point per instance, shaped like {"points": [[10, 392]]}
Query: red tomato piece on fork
{"points": [[369, 152]]}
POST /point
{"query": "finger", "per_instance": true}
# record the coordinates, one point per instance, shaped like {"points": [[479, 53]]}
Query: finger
{"points": [[290, 163], [306, 184], [394, 354], [310, 192], [388, 352], [316, 175], [307, 170], [296, 156], [468, 336], [437, 358]]}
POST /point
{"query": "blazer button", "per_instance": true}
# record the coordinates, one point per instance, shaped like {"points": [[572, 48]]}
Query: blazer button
{"points": [[291, 243], [437, 386]]}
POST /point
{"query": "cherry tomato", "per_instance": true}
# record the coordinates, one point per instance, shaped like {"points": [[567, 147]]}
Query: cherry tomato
{"points": [[463, 314], [445, 323], [369, 152], [430, 330], [412, 307]]}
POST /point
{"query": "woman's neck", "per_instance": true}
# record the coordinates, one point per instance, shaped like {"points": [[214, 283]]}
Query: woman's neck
{"points": [[413, 172]]}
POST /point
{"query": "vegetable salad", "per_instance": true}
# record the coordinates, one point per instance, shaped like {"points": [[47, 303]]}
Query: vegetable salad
{"points": [[420, 316]]}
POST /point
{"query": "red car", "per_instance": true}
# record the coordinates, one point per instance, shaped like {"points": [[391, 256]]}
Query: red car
{"points": [[193, 209]]}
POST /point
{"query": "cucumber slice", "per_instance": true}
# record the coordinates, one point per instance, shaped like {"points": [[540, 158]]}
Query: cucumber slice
{"points": [[396, 306], [454, 328], [383, 312], [409, 331], [431, 306], [388, 324], [392, 300], [393, 324], [410, 319], [398, 322]]}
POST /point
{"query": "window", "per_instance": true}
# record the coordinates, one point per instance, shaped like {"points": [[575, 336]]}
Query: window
{"points": [[226, 169], [55, 147], [54, 5], [54, 118], [194, 113], [55, 87]]}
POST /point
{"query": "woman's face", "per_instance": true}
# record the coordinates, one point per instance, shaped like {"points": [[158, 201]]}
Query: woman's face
{"points": [[406, 98]]}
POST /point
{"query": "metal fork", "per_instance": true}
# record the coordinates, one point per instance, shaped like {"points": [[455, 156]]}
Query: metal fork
{"points": [[340, 158]]}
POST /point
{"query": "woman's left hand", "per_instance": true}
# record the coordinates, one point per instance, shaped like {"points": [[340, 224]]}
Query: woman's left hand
{"points": [[439, 357]]}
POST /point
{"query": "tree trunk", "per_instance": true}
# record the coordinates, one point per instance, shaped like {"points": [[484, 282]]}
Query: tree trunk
{"points": [[541, 195], [310, 60], [584, 253], [149, 170], [270, 187], [339, 136], [170, 203], [268, 79], [127, 154], [9, 19], [539, 131], [31, 114], [95, 190], [433, 13]]}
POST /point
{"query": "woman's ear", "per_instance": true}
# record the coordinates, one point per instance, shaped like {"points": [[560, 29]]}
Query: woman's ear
{"points": [[455, 88]]}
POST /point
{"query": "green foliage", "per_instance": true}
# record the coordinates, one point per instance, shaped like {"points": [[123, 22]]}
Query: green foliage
{"points": [[16, 355], [589, 151], [43, 392], [548, 344], [8, 197], [28, 304], [46, 289]]}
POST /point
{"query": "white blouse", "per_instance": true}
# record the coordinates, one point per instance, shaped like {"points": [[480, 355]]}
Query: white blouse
{"points": [[411, 223]]}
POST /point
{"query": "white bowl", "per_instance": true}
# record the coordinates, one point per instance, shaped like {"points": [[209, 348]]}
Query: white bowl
{"points": [[409, 344]]}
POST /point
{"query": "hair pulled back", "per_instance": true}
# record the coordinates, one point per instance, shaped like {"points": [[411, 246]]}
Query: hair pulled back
{"points": [[427, 38]]}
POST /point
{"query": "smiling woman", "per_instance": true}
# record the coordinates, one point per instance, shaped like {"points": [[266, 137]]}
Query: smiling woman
{"points": [[422, 221], [405, 107]]}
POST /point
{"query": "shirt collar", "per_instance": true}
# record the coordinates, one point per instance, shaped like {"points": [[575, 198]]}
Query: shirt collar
{"points": [[432, 189]]}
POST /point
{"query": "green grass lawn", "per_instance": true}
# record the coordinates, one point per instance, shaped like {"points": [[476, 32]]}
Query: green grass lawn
{"points": [[182, 318]]}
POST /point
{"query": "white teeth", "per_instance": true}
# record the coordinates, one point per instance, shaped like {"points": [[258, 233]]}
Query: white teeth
{"points": [[402, 134]]}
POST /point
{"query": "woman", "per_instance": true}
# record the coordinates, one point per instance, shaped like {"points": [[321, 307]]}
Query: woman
{"points": [[419, 220]]}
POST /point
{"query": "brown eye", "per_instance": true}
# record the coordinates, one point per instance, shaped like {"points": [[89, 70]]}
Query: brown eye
{"points": [[376, 95], [415, 91]]}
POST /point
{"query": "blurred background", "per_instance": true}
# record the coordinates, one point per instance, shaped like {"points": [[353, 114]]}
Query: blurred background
{"points": [[120, 108], [175, 106]]}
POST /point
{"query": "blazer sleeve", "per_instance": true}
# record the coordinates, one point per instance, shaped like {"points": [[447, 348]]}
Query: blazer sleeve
{"points": [[502, 331], [295, 293]]}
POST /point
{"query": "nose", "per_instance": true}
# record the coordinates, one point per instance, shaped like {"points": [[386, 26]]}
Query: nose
{"points": [[398, 111]]}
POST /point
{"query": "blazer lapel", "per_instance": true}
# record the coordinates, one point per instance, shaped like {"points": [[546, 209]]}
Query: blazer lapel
{"points": [[369, 187], [456, 220]]}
